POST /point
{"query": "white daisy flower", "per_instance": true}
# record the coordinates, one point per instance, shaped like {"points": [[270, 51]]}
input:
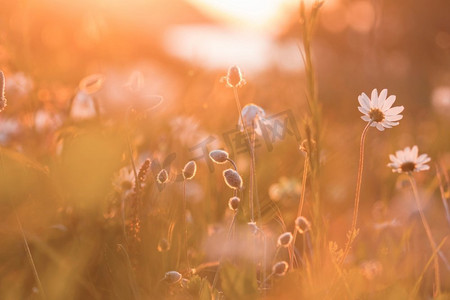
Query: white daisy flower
{"points": [[407, 161], [378, 109]]}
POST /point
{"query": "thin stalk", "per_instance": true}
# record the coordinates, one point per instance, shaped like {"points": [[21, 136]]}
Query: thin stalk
{"points": [[230, 229], [437, 289], [238, 105], [357, 194], [305, 175], [232, 163], [301, 203], [442, 191], [30, 258], [183, 217]]}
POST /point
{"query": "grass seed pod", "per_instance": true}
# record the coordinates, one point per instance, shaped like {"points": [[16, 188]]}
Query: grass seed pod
{"points": [[285, 239], [189, 170], [232, 179], [233, 203], [302, 225], [219, 156], [162, 176], [280, 268]]}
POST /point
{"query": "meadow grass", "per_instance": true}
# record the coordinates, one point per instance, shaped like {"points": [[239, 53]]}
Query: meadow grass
{"points": [[110, 205]]}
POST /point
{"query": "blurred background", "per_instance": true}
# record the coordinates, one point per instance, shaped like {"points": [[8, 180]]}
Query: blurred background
{"points": [[160, 64]]}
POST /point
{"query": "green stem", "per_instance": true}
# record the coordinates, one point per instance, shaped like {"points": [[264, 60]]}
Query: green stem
{"points": [[357, 194]]}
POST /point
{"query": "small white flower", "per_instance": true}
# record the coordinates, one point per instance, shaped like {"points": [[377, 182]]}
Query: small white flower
{"points": [[378, 110], [253, 116], [407, 161]]}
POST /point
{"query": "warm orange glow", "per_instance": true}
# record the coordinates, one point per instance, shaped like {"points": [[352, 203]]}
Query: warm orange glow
{"points": [[255, 14]]}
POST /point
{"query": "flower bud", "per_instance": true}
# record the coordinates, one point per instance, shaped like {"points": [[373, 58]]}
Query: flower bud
{"points": [[172, 277], [92, 83], [302, 225], [280, 268], [162, 176], [189, 170], [219, 156], [233, 203], [232, 179], [285, 239]]}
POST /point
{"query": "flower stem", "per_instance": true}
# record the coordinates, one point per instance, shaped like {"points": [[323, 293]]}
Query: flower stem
{"points": [[238, 105], [30, 258], [183, 217], [300, 206], [437, 288], [352, 231]]}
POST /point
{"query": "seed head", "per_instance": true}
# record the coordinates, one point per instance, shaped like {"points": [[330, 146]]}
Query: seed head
{"points": [[3, 102], [302, 225], [253, 227], [234, 77], [189, 170], [285, 239], [163, 245], [162, 176], [232, 179], [306, 148], [219, 156], [92, 83], [280, 268], [172, 277], [233, 203]]}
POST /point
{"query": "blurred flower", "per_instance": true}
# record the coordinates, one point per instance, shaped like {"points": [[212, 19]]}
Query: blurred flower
{"points": [[370, 269], [123, 180], [378, 109], [44, 120], [3, 101], [407, 161], [285, 188], [441, 99], [19, 84], [135, 82], [92, 83], [9, 128], [253, 116], [234, 77], [83, 107]]}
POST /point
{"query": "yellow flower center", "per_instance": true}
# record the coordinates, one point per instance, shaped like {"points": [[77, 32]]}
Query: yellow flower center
{"points": [[408, 167], [376, 115]]}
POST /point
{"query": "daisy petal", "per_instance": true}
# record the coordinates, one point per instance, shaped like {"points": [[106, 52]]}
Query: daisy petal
{"points": [[364, 101], [380, 127], [394, 117], [365, 118], [388, 103], [394, 111], [382, 98], [374, 98], [363, 110]]}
